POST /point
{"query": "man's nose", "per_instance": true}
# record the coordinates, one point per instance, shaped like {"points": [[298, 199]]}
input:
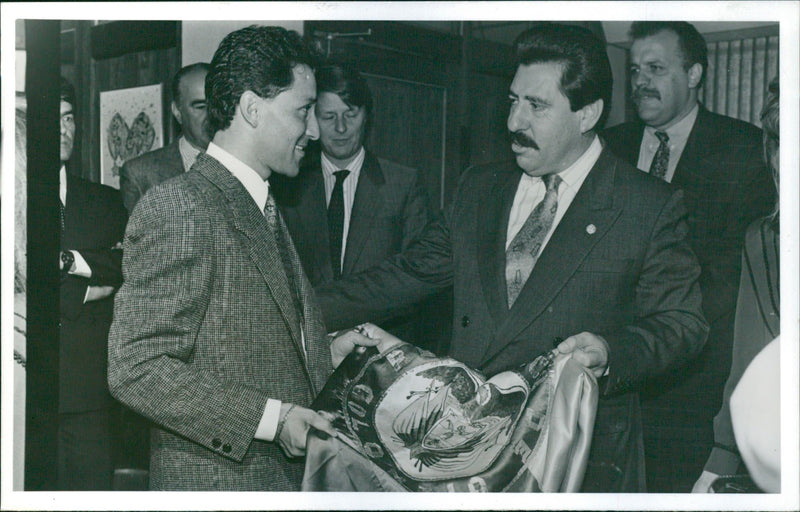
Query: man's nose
{"points": [[341, 125], [514, 124], [312, 128], [640, 78]]}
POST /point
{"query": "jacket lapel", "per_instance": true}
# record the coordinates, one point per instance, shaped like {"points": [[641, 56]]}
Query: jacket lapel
{"points": [[364, 212], [569, 245], [314, 221], [257, 239], [701, 142], [492, 238]]}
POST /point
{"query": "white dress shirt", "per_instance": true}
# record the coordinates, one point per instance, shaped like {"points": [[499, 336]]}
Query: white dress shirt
{"points": [[348, 188], [188, 153], [678, 135], [259, 191], [531, 190]]}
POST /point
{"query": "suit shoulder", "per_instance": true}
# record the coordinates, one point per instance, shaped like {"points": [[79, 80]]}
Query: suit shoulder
{"points": [[146, 160], [623, 129], [172, 198], [640, 185], [734, 128], [393, 167]]}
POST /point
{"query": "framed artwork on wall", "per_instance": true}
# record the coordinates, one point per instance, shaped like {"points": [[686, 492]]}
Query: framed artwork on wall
{"points": [[131, 123]]}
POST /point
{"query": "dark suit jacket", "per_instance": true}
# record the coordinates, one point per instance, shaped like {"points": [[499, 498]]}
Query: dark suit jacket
{"points": [[145, 171], [389, 213], [726, 186], [94, 221], [206, 330], [617, 265]]}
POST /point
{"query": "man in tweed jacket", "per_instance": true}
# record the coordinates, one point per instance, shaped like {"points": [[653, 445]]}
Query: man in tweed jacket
{"points": [[216, 337]]}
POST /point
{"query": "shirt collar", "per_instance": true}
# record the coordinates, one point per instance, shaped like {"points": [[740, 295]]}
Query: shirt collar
{"points": [[574, 175], [328, 167], [680, 130], [188, 152], [62, 184], [249, 178]]}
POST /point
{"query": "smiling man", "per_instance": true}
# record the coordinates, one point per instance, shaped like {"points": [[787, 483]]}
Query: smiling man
{"points": [[349, 210], [717, 162], [566, 246], [216, 337]]}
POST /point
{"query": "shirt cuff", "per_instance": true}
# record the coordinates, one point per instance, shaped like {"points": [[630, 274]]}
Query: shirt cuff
{"points": [[269, 421], [82, 268]]}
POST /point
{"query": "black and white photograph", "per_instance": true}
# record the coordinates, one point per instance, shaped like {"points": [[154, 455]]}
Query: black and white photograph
{"points": [[299, 255]]}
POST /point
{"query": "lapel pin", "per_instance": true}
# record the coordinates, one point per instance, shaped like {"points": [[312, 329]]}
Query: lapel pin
{"points": [[591, 229]]}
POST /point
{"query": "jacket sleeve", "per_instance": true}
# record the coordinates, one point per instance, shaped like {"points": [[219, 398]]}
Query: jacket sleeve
{"points": [[669, 327], [169, 273]]}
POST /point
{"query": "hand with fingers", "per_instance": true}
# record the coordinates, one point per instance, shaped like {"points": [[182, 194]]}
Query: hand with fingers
{"points": [[588, 350], [344, 342], [293, 427]]}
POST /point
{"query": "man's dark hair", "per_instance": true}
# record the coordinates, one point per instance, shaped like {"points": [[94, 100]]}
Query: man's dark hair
{"points": [[255, 58], [348, 84], [176, 80], [586, 72], [693, 46], [67, 92]]}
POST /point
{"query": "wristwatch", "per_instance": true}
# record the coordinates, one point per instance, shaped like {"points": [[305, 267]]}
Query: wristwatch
{"points": [[68, 260]]}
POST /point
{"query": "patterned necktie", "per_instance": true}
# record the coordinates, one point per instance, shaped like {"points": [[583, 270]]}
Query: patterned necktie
{"points": [[62, 217], [523, 252], [661, 159], [336, 222], [271, 214]]}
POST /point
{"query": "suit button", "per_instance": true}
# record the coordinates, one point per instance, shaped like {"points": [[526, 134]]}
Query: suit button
{"points": [[465, 321], [226, 448], [216, 443], [550, 309]]}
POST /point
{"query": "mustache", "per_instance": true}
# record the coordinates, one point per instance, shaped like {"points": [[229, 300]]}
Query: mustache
{"points": [[523, 140], [643, 92]]}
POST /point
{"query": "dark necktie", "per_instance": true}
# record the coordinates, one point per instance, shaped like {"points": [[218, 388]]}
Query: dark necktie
{"points": [[661, 159], [336, 222], [523, 252]]}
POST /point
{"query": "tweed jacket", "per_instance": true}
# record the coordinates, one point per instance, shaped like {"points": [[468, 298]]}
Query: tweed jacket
{"points": [[389, 213], [206, 330], [145, 171], [726, 187], [617, 265], [94, 222]]}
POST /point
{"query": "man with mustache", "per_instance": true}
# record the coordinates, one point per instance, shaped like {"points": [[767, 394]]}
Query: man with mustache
{"points": [[717, 162], [188, 106], [381, 205], [92, 224], [567, 247], [216, 337]]}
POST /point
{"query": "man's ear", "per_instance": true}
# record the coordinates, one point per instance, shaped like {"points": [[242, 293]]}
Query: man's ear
{"points": [[249, 103], [175, 112], [590, 115], [695, 73]]}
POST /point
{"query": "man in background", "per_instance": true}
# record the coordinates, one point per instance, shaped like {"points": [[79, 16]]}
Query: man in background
{"points": [[92, 225], [189, 108], [216, 337], [567, 247], [349, 210], [717, 162]]}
